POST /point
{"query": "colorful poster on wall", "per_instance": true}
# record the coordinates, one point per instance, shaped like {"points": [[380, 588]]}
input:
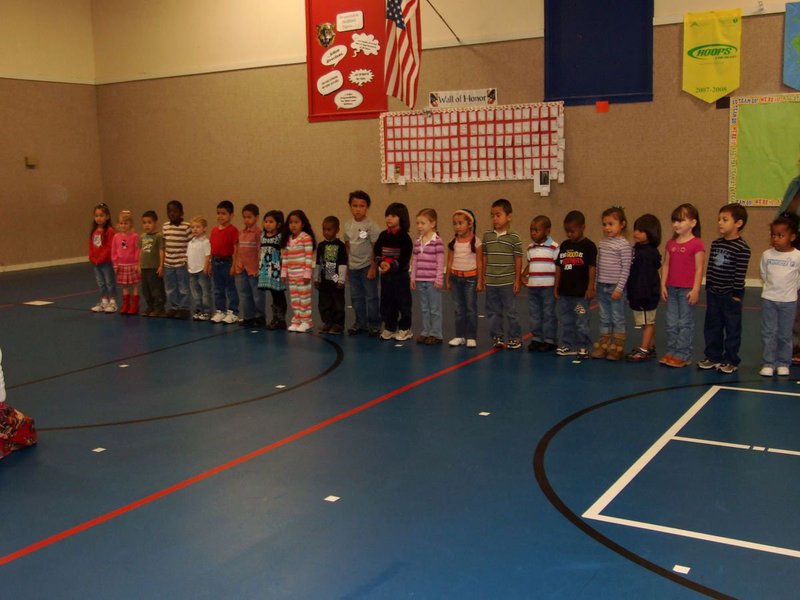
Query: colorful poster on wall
{"points": [[479, 143], [345, 45], [711, 53], [791, 46], [763, 149]]}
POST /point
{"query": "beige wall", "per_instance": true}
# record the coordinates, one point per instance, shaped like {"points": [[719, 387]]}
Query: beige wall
{"points": [[243, 135]]}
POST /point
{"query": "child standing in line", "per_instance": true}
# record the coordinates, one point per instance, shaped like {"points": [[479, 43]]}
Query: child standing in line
{"points": [[502, 267], [100, 236], [727, 269], [246, 269], [680, 283], [393, 254], [575, 286], [540, 273], [360, 235], [198, 257], [613, 267], [464, 277], [330, 273], [644, 284], [427, 276], [224, 241], [780, 272], [151, 262], [297, 260], [177, 234], [125, 256], [269, 267]]}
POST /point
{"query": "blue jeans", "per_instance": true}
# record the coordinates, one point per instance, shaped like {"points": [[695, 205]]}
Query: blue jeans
{"points": [[500, 303], [723, 328], [465, 303], [542, 313], [430, 302], [364, 298], [106, 280], [776, 332], [573, 312], [251, 298], [612, 312], [680, 323], [224, 286], [176, 286], [200, 286]]}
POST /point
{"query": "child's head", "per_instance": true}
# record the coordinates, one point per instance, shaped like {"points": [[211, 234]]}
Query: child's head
{"points": [[574, 225], [540, 228], [614, 221], [199, 225], [149, 221], [330, 227], [501, 213], [783, 232], [297, 222], [359, 202], [647, 230], [249, 214], [273, 222], [125, 221], [397, 216], [732, 219], [685, 218], [426, 221], [175, 211], [102, 216], [224, 212], [463, 226]]}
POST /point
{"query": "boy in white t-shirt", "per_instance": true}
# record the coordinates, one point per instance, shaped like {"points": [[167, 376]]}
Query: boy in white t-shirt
{"points": [[198, 257]]}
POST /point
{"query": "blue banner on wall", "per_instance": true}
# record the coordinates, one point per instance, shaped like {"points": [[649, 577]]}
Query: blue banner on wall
{"points": [[598, 50], [791, 46]]}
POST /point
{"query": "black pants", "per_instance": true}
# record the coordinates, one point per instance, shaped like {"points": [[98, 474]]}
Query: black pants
{"points": [[278, 304], [396, 300], [331, 303], [723, 328], [153, 290]]}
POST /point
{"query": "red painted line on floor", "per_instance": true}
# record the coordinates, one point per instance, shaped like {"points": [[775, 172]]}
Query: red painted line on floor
{"points": [[49, 541]]}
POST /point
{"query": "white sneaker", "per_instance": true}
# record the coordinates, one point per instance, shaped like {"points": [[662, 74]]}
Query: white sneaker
{"points": [[767, 371], [231, 318], [218, 316], [293, 327], [472, 343], [100, 307], [303, 327], [111, 307], [457, 341], [783, 371], [387, 335], [403, 334]]}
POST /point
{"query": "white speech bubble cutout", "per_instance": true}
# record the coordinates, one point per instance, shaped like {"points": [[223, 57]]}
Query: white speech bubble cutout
{"points": [[366, 43], [350, 21], [333, 55], [348, 99], [330, 82], [361, 76]]}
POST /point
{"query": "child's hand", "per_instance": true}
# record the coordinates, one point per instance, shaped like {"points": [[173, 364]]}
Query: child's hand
{"points": [[371, 272], [447, 283], [480, 287], [306, 280], [233, 272], [616, 295], [693, 296], [516, 287], [438, 286], [385, 266], [340, 284], [590, 292], [316, 285], [555, 293], [413, 285], [664, 294], [283, 280]]}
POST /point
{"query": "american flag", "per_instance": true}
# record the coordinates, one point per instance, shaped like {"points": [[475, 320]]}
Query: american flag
{"points": [[403, 48]]}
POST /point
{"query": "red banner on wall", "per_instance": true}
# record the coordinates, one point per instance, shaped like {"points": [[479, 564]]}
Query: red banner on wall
{"points": [[344, 58]]}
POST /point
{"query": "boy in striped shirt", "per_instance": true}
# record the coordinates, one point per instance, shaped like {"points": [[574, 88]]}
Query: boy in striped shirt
{"points": [[541, 276], [177, 234], [502, 265]]}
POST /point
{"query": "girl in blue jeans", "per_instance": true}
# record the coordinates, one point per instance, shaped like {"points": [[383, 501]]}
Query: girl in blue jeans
{"points": [[464, 277]]}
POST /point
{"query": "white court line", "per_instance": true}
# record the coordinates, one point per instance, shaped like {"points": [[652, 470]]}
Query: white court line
{"points": [[680, 438], [593, 512], [780, 451], [701, 536], [756, 390]]}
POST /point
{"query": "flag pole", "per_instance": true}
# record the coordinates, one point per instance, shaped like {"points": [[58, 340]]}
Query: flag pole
{"points": [[444, 21]]}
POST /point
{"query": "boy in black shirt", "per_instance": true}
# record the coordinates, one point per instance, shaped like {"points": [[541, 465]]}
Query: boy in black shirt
{"points": [[330, 274]]}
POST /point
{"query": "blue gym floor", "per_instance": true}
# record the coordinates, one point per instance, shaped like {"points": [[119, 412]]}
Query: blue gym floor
{"points": [[224, 447]]}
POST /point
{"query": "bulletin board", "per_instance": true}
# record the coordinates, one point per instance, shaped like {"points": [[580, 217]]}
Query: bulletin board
{"points": [[763, 148], [482, 143]]}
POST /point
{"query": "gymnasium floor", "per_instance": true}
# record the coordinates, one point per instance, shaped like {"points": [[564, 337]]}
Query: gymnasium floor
{"points": [[223, 448]]}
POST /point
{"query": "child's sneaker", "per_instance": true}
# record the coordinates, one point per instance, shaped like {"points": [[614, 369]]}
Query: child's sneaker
{"points": [[566, 351], [472, 343], [100, 306], [707, 364], [583, 353], [293, 327], [782, 371], [231, 318], [726, 368], [767, 371], [639, 355], [111, 307], [303, 327], [387, 335], [514, 344], [498, 343], [336, 329], [218, 316], [196, 315], [676, 363], [403, 334], [457, 341]]}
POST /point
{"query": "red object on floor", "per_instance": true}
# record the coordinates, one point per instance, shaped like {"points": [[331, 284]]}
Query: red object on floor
{"points": [[601, 106]]}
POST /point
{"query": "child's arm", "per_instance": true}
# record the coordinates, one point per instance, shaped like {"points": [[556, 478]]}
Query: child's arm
{"points": [[341, 261], [762, 268], [137, 253], [742, 260], [557, 280], [414, 259], [372, 272], [235, 256], [517, 273], [448, 269], [664, 275], [308, 255], [626, 255], [699, 263], [590, 288], [480, 266], [439, 282], [484, 263]]}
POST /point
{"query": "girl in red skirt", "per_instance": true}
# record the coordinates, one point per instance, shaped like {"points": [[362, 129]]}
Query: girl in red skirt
{"points": [[125, 256], [16, 430]]}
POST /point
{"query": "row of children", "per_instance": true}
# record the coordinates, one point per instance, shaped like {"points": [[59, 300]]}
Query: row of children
{"points": [[563, 277]]}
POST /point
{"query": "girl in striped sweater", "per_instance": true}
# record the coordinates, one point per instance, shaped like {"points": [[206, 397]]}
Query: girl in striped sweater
{"points": [[427, 276], [297, 261]]}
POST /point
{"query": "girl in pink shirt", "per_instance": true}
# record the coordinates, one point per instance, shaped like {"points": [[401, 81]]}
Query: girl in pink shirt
{"points": [[125, 257]]}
